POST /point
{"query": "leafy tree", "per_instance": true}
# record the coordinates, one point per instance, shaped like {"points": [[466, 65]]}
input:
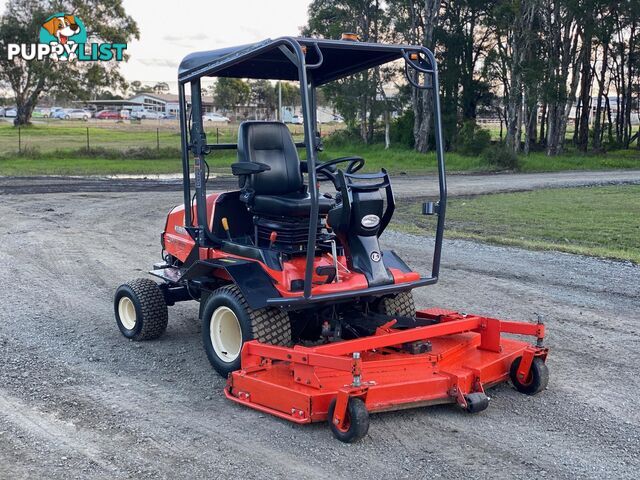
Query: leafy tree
{"points": [[231, 92], [264, 94], [160, 88], [106, 22], [290, 94], [354, 97]]}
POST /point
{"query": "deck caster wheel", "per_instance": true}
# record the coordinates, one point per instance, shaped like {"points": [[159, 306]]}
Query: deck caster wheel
{"points": [[476, 402], [140, 309], [537, 379], [356, 423]]}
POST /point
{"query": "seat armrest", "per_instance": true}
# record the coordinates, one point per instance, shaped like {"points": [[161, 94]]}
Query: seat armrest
{"points": [[248, 168]]}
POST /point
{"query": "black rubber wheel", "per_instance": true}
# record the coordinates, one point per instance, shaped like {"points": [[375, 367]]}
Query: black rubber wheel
{"points": [[357, 421], [140, 309], [536, 381], [401, 304], [228, 322], [476, 402]]}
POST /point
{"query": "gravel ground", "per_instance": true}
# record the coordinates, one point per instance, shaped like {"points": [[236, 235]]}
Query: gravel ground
{"points": [[405, 186], [77, 400]]}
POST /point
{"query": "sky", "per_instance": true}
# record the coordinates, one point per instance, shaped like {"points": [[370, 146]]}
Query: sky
{"points": [[171, 29]]}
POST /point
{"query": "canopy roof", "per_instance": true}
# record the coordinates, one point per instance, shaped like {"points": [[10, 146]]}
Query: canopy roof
{"points": [[265, 60]]}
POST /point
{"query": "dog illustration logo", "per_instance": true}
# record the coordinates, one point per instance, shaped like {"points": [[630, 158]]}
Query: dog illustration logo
{"points": [[66, 30]]}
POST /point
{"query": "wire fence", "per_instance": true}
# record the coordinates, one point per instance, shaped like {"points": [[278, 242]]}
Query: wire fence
{"points": [[69, 135]]}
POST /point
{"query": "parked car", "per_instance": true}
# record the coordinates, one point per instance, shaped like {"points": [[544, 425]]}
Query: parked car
{"points": [[125, 114], [143, 114], [296, 120], [214, 117], [73, 114], [60, 113], [41, 112], [11, 112], [108, 115]]}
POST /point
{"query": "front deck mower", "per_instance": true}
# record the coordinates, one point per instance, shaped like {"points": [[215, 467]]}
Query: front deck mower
{"points": [[303, 312]]}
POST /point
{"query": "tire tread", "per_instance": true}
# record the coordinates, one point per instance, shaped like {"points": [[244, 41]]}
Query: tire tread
{"points": [[155, 315], [401, 304], [268, 325]]}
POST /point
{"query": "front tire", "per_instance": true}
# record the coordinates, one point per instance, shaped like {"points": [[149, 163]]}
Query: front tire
{"points": [[140, 309], [228, 322], [401, 304]]}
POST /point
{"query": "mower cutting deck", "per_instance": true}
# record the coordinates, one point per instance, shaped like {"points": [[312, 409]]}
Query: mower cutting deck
{"points": [[452, 360], [275, 263]]}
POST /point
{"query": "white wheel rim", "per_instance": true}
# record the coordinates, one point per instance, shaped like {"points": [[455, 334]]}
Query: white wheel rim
{"points": [[127, 313], [225, 334]]}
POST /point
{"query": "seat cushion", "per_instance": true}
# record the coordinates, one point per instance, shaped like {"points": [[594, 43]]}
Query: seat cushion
{"points": [[270, 143], [289, 205]]}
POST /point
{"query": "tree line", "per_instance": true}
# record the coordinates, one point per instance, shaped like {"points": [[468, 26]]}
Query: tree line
{"points": [[542, 67]]}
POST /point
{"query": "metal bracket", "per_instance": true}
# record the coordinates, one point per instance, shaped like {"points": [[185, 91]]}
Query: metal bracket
{"points": [[431, 208]]}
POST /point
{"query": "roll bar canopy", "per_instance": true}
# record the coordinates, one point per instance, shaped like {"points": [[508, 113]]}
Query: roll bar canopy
{"points": [[327, 60]]}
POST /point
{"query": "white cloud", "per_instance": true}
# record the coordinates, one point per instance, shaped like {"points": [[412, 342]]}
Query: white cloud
{"points": [[168, 34], [169, 31]]}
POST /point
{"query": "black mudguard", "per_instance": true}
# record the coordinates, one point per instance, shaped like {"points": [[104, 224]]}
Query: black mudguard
{"points": [[254, 283]]}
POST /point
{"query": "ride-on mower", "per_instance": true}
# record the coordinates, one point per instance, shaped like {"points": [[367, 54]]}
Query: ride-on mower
{"points": [[301, 310]]}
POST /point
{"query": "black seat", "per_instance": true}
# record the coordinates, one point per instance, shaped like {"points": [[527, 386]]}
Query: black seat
{"points": [[279, 191]]}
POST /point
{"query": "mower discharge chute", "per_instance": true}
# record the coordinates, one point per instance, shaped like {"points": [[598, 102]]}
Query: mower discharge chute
{"points": [[301, 310]]}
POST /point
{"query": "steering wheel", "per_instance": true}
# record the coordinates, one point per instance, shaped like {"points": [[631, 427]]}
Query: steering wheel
{"points": [[327, 169]]}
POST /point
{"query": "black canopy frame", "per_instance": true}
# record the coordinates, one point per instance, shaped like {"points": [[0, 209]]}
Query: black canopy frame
{"points": [[312, 62]]}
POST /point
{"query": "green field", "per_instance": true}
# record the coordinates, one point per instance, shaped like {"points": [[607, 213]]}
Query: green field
{"points": [[153, 148], [597, 221]]}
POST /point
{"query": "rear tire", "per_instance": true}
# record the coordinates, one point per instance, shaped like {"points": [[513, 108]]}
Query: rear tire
{"points": [[141, 310], [401, 304], [228, 322]]}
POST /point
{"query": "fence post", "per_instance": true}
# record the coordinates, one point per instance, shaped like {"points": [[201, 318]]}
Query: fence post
{"points": [[218, 135], [19, 140], [88, 145], [158, 139]]}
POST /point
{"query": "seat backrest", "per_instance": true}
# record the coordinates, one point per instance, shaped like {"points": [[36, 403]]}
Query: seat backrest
{"points": [[270, 143]]}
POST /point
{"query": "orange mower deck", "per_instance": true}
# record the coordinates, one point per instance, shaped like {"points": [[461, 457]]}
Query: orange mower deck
{"points": [[445, 362]]}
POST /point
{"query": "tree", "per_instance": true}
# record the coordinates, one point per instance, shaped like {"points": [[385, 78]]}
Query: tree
{"points": [[532, 62], [231, 92], [354, 97], [265, 95], [290, 94], [106, 22], [160, 88]]}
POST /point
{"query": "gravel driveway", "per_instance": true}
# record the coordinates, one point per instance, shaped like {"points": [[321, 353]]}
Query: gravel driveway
{"points": [[77, 400], [405, 186]]}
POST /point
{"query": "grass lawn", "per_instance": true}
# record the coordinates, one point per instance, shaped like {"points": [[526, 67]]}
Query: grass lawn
{"points": [[597, 221], [395, 160], [60, 149]]}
